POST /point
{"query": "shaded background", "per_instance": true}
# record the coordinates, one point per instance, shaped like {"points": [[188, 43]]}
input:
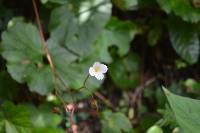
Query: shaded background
{"points": [[148, 44]]}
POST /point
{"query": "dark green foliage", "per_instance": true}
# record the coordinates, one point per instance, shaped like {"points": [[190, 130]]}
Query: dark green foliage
{"points": [[145, 44]]}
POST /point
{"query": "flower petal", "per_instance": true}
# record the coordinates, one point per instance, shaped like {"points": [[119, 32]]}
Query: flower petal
{"points": [[99, 76], [104, 68], [96, 64], [92, 71]]}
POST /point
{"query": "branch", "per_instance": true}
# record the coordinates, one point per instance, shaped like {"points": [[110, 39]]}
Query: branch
{"points": [[52, 66], [44, 44], [105, 100], [139, 90]]}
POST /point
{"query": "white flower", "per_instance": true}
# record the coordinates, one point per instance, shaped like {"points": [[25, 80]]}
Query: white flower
{"points": [[98, 70]]}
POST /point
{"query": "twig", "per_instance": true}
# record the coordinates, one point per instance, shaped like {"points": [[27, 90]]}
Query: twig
{"points": [[106, 101], [84, 83], [56, 76], [52, 66], [97, 94], [44, 44], [139, 90]]}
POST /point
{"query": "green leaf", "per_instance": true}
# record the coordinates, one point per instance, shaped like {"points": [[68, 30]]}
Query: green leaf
{"points": [[182, 8], [48, 130], [186, 111], [75, 33], [57, 1], [26, 62], [115, 122], [155, 31], [126, 4], [168, 117], [184, 39], [42, 117], [125, 71], [75, 37], [71, 72], [43, 1], [154, 36], [78, 31], [117, 33], [23, 52], [14, 119]]}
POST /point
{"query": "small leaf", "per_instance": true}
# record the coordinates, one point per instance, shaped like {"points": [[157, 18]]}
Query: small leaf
{"points": [[155, 31], [184, 39], [117, 33], [42, 117], [125, 71], [115, 122], [126, 4], [182, 8], [23, 51], [14, 119]]}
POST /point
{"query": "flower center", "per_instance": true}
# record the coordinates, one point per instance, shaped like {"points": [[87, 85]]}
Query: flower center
{"points": [[97, 69]]}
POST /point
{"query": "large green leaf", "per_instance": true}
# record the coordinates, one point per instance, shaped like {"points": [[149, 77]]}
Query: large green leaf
{"points": [[23, 52], [182, 8], [78, 31], [74, 32], [26, 61], [115, 122], [117, 33], [186, 111], [184, 39], [72, 72], [14, 119]]}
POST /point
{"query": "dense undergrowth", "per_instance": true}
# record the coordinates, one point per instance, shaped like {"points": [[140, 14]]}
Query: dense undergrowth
{"points": [[148, 46]]}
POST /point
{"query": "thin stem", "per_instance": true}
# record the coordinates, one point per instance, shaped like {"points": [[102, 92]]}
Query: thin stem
{"points": [[62, 100], [97, 94], [84, 83], [44, 44], [53, 69], [139, 90], [52, 66], [105, 100]]}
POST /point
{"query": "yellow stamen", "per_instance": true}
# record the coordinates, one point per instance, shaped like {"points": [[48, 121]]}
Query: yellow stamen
{"points": [[97, 69]]}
